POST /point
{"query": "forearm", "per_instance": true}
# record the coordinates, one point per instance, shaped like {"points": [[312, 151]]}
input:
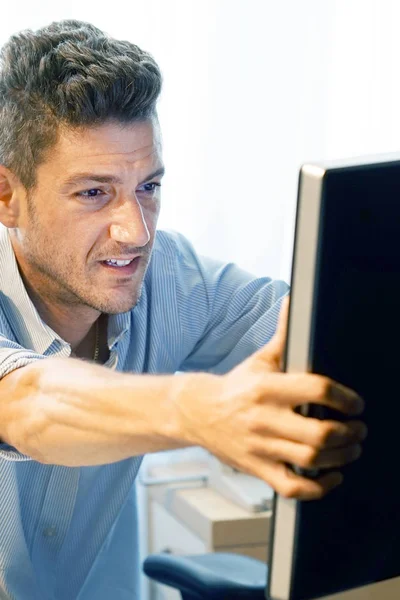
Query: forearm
{"points": [[73, 413]]}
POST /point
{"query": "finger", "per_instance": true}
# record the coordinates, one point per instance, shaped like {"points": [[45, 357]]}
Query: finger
{"points": [[284, 423], [290, 485], [276, 346], [296, 389], [272, 353], [304, 456]]}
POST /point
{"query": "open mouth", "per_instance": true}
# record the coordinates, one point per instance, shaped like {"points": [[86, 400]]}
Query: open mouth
{"points": [[122, 267]]}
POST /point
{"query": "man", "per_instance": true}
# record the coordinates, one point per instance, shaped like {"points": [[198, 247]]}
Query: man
{"points": [[97, 313]]}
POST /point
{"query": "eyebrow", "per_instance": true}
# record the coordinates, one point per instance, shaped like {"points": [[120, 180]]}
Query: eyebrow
{"points": [[103, 178]]}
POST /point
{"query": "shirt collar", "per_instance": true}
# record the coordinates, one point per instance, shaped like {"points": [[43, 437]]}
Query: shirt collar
{"points": [[30, 330]]}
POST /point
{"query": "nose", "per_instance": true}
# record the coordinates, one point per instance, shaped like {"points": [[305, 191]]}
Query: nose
{"points": [[129, 225]]}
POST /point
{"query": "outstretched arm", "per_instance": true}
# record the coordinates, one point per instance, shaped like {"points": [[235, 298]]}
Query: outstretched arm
{"points": [[73, 413]]}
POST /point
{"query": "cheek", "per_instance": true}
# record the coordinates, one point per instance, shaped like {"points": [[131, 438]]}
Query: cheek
{"points": [[151, 215], [68, 243], [152, 221]]}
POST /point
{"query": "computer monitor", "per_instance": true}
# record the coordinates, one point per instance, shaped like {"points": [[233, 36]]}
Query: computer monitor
{"points": [[344, 322]]}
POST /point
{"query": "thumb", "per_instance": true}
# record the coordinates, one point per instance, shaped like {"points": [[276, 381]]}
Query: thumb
{"points": [[272, 353]]}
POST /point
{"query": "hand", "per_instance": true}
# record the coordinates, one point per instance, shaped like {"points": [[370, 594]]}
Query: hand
{"points": [[249, 422]]}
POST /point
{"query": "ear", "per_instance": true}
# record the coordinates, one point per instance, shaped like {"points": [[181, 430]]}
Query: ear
{"points": [[10, 190]]}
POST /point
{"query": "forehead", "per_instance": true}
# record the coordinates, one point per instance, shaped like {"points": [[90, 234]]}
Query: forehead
{"points": [[134, 145]]}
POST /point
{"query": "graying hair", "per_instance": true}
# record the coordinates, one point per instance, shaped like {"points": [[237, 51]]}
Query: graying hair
{"points": [[68, 74]]}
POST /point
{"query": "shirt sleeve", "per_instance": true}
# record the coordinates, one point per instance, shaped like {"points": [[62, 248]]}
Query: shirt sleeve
{"points": [[226, 312], [13, 356]]}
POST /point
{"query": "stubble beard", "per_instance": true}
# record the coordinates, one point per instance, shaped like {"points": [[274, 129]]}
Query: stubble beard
{"points": [[56, 284]]}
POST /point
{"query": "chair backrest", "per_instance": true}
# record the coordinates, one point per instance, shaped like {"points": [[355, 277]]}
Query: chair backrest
{"points": [[213, 576]]}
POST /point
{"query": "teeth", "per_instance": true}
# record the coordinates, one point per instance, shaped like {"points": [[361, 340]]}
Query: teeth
{"points": [[118, 263]]}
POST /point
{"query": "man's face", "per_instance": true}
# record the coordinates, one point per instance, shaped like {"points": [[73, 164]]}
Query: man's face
{"points": [[97, 198]]}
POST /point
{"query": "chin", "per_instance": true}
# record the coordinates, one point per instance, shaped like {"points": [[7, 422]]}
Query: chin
{"points": [[118, 301], [118, 306], [112, 310]]}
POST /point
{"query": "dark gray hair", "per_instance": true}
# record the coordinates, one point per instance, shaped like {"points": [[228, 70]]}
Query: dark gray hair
{"points": [[68, 74]]}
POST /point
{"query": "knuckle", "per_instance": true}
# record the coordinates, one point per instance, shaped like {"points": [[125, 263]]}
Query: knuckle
{"points": [[257, 392], [253, 444], [254, 426], [310, 457], [290, 489], [319, 492], [323, 387], [323, 433]]}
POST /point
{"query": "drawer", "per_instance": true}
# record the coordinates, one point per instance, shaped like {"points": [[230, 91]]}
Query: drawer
{"points": [[167, 532]]}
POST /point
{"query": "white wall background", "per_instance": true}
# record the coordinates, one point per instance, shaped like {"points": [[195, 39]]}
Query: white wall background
{"points": [[253, 88]]}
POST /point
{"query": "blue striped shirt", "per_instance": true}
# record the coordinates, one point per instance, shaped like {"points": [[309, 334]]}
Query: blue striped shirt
{"points": [[71, 532]]}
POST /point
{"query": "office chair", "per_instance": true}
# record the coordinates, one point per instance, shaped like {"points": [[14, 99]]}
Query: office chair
{"points": [[213, 576]]}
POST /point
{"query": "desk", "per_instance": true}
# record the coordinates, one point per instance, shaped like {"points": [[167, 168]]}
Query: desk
{"points": [[194, 519]]}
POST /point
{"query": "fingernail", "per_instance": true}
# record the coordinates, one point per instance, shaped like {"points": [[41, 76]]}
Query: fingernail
{"points": [[337, 479], [361, 431], [360, 405]]}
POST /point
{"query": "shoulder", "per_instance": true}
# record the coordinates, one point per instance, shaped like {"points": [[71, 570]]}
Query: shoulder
{"points": [[173, 245], [174, 254]]}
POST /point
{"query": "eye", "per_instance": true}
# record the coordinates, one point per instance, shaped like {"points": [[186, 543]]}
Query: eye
{"points": [[150, 188], [93, 193]]}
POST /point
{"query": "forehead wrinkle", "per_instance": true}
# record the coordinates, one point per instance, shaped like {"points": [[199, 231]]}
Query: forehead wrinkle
{"points": [[104, 148], [154, 151]]}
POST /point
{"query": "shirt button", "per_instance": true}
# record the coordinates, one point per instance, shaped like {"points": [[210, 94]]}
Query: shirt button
{"points": [[49, 532]]}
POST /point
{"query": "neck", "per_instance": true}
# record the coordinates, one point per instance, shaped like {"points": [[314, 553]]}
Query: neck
{"points": [[76, 325], [91, 346]]}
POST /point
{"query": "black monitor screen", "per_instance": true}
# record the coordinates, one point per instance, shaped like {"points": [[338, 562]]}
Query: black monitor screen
{"points": [[352, 537]]}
